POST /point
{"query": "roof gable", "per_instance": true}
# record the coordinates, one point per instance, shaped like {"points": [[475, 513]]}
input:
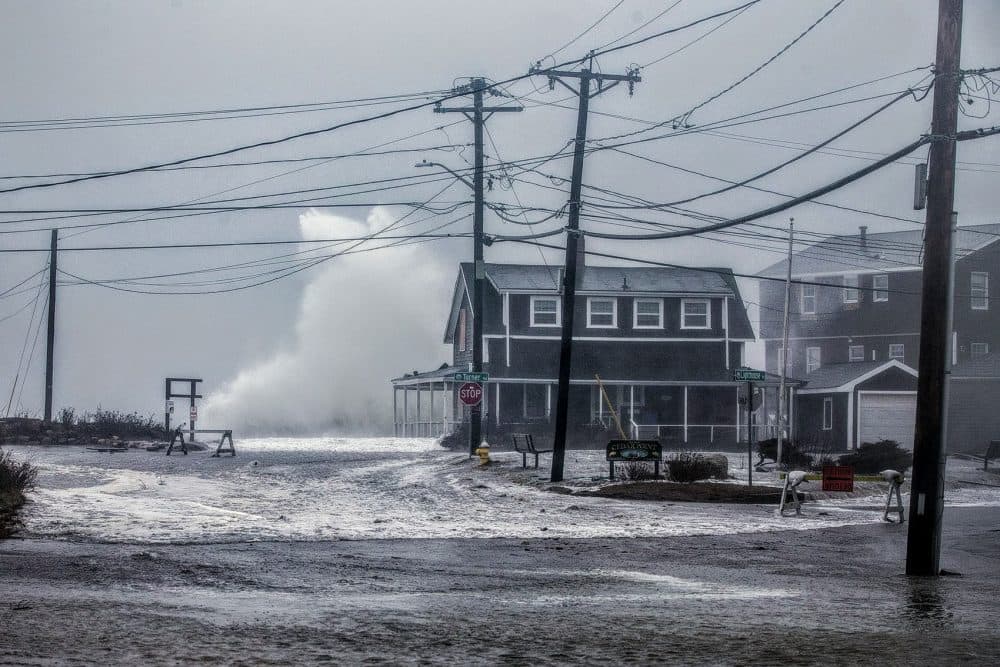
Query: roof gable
{"points": [[837, 378]]}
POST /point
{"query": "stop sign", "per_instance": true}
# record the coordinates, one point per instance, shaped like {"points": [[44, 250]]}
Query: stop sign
{"points": [[471, 393]]}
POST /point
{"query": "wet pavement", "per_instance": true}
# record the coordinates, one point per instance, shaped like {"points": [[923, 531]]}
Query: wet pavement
{"points": [[179, 573]]}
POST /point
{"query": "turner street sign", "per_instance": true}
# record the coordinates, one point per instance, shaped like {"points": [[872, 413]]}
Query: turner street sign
{"points": [[472, 377]]}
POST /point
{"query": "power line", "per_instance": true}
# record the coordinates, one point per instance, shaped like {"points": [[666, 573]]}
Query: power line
{"points": [[588, 29]]}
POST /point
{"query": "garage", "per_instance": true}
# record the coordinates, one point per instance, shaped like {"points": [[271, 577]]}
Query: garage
{"points": [[887, 416]]}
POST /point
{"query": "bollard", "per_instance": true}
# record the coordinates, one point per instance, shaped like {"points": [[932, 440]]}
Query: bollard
{"points": [[895, 479], [792, 481]]}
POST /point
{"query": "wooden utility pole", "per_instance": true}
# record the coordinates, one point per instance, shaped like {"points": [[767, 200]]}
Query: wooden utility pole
{"points": [[783, 370], [477, 86], [51, 340], [572, 239], [923, 544]]}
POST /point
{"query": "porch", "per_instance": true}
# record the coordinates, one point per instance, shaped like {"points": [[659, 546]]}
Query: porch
{"points": [[678, 413]]}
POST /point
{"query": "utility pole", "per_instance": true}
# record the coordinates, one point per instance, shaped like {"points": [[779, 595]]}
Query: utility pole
{"points": [[476, 87], [572, 237], [51, 341], [782, 408], [923, 543]]}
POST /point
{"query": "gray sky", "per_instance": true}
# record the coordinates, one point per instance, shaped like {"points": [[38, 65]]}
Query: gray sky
{"points": [[314, 351]]}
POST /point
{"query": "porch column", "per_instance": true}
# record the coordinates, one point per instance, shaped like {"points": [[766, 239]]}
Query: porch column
{"points": [[685, 414], [430, 415], [444, 408], [496, 389], [791, 414], [548, 401], [631, 411], [419, 423], [395, 412], [406, 410]]}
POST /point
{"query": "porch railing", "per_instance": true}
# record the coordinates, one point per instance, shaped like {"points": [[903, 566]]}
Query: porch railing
{"points": [[677, 431]]}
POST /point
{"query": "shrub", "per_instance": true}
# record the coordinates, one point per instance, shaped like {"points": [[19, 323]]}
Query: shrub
{"points": [[792, 455], [687, 467], [16, 477], [874, 457], [635, 470]]}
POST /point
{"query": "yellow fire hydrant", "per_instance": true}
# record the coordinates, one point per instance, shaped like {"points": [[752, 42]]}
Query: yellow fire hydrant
{"points": [[483, 452]]}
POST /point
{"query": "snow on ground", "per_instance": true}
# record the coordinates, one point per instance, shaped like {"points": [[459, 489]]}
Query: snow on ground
{"points": [[336, 488]]}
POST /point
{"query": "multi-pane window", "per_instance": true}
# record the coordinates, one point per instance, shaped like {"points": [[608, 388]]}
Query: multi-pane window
{"points": [[808, 299], [602, 313], [856, 352], [695, 314], [979, 349], [648, 314], [896, 350], [980, 291], [462, 324], [827, 414], [851, 288], [880, 288], [545, 311], [812, 359]]}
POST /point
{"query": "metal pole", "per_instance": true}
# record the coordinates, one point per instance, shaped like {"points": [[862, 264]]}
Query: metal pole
{"points": [[51, 341], [749, 433], [923, 544], [784, 350]]}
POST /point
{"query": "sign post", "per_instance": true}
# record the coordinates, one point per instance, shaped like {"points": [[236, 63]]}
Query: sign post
{"points": [[748, 375]]}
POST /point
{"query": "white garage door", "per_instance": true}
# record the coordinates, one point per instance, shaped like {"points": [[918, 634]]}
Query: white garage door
{"points": [[887, 417]]}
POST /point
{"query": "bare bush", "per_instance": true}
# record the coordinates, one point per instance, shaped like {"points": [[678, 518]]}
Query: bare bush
{"points": [[16, 477], [687, 467]]}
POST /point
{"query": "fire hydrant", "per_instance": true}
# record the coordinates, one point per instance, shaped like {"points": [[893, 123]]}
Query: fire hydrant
{"points": [[483, 452]]}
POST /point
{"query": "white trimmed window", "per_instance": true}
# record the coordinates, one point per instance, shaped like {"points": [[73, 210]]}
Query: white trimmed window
{"points": [[851, 288], [979, 349], [808, 299], [647, 314], [602, 313], [462, 324], [813, 360], [980, 291], [827, 414], [856, 353], [696, 314], [896, 350], [545, 311], [880, 287]]}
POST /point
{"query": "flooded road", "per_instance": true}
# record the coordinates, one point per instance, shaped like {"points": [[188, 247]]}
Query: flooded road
{"points": [[397, 552]]}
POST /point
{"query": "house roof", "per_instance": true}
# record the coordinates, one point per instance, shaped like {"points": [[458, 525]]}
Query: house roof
{"points": [[844, 377], [879, 252], [624, 279], [986, 366]]}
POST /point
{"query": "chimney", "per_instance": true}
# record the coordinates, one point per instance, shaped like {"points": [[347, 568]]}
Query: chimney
{"points": [[864, 235]]}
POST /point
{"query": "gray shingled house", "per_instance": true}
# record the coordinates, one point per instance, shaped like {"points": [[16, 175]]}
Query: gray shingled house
{"points": [[866, 313], [664, 341]]}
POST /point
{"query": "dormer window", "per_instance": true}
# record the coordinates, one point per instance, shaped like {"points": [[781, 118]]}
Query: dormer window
{"points": [[647, 314], [602, 313], [696, 314], [545, 311]]}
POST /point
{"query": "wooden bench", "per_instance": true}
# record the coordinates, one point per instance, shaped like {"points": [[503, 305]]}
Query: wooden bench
{"points": [[525, 444], [227, 434]]}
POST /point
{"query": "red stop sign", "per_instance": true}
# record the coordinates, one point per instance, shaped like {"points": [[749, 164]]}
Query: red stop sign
{"points": [[471, 393]]}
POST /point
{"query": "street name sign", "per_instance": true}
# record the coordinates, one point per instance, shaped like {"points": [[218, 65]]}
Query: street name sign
{"points": [[749, 375], [471, 393], [472, 377]]}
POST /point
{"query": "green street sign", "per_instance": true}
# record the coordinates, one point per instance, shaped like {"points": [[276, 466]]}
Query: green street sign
{"points": [[749, 375], [472, 377]]}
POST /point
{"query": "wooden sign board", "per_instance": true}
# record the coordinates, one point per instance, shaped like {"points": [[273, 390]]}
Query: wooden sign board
{"points": [[634, 450]]}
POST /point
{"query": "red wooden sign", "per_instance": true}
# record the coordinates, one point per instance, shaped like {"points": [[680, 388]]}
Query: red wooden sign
{"points": [[471, 393], [838, 478]]}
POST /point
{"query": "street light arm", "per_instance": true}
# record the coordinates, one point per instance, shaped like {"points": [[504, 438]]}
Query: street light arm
{"points": [[425, 163]]}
